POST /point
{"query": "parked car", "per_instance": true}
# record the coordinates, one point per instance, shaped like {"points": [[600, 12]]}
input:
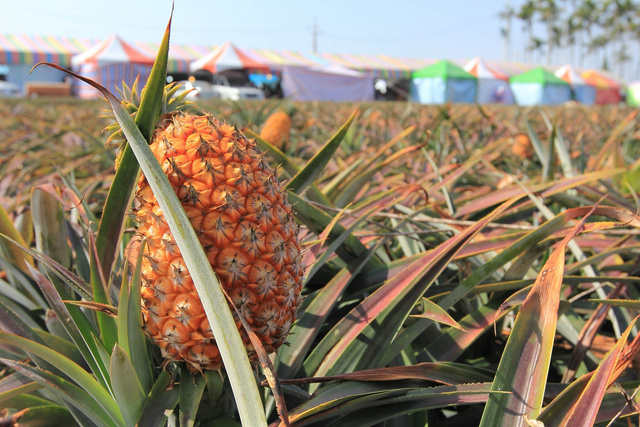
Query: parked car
{"points": [[225, 90], [9, 89], [201, 89], [221, 88]]}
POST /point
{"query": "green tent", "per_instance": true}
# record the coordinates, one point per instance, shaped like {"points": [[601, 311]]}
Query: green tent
{"points": [[443, 82], [633, 94], [538, 75], [443, 69], [539, 87]]}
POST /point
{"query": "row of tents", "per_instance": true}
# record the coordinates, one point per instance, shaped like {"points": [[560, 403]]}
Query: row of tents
{"points": [[337, 78], [479, 82]]}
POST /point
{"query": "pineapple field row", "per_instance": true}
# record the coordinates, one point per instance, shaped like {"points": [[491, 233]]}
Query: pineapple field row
{"points": [[387, 264]]}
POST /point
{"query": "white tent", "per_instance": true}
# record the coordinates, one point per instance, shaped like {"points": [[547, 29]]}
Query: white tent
{"points": [[227, 57], [111, 62], [493, 85], [327, 83], [582, 91]]}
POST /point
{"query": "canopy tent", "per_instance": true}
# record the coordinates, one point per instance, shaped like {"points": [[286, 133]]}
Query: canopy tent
{"points": [[29, 50], [278, 59], [582, 92], [378, 65], [180, 55], [493, 85], [227, 57], [111, 62], [633, 94], [510, 68], [20, 53], [539, 87], [443, 82], [326, 83], [607, 89]]}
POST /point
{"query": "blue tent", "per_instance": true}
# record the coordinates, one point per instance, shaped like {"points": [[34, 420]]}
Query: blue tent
{"points": [[539, 87], [443, 82], [582, 91]]}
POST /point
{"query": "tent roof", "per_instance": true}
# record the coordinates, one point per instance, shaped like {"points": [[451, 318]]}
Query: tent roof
{"points": [[443, 69], [180, 55], [570, 75], [340, 70], [16, 49], [112, 50], [594, 78], [538, 75], [227, 57], [481, 69], [379, 65]]}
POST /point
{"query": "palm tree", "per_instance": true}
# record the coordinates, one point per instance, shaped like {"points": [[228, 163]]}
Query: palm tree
{"points": [[570, 30], [525, 14], [506, 15], [549, 13], [585, 17], [623, 12]]}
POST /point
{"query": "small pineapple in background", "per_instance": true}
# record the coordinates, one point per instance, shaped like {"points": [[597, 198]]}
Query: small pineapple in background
{"points": [[277, 130], [521, 146], [244, 222]]}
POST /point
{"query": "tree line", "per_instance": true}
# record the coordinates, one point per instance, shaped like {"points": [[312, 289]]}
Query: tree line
{"points": [[595, 34]]}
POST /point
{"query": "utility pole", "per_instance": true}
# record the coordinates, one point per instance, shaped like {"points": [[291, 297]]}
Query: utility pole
{"points": [[315, 35]]}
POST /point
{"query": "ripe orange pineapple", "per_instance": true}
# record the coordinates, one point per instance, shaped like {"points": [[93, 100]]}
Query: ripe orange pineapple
{"points": [[244, 222], [276, 130], [522, 146]]}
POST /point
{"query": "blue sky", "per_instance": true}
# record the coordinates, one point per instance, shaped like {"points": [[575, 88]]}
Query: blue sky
{"points": [[454, 29]]}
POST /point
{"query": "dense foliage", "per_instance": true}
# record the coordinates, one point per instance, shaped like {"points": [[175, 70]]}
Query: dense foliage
{"points": [[441, 242]]}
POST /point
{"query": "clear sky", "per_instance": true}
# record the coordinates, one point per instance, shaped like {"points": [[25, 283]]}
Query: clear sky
{"points": [[453, 29]]}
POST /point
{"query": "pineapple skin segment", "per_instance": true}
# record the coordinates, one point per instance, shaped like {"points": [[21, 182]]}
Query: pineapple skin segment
{"points": [[245, 224]]}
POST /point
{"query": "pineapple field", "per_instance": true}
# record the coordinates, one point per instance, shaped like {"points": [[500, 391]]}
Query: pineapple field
{"points": [[278, 263]]}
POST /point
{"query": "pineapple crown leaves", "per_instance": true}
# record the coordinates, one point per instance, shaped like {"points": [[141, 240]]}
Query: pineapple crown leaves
{"points": [[130, 99]]}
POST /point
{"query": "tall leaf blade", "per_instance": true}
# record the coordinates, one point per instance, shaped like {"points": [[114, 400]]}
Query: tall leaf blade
{"points": [[130, 332], [126, 386], [191, 390], [121, 191], [525, 361]]}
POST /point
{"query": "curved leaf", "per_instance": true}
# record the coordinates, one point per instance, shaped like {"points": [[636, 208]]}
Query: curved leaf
{"points": [[75, 372], [92, 408]]}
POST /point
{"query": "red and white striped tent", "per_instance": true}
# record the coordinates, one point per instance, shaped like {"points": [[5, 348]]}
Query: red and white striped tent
{"points": [[493, 85], [228, 57], [111, 62], [582, 91]]}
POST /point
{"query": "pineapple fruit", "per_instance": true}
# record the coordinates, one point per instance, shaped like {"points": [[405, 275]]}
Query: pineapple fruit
{"points": [[244, 222], [522, 146], [276, 129]]}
